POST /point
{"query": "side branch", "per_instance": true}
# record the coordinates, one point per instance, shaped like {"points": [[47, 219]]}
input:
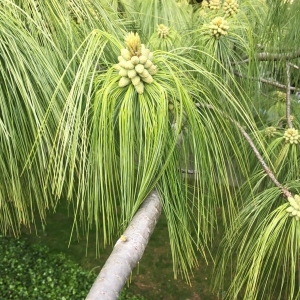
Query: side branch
{"points": [[274, 83], [264, 165], [268, 171], [127, 251], [288, 94], [266, 56]]}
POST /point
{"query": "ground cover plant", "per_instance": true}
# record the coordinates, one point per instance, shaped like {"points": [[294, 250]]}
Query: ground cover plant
{"points": [[29, 271], [32, 271], [103, 102]]}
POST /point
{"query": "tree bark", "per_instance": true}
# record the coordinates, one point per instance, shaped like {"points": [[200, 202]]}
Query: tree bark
{"points": [[127, 251]]}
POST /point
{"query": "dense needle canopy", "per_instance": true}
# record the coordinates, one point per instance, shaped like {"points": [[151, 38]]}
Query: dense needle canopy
{"points": [[221, 102]]}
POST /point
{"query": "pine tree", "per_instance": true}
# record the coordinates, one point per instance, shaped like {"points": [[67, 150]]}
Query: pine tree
{"points": [[196, 104]]}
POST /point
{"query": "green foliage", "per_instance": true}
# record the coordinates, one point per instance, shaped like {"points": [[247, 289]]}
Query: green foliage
{"points": [[70, 130], [31, 271], [264, 244], [125, 295]]}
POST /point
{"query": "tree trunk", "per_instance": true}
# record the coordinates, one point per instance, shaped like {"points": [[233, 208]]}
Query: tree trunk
{"points": [[127, 251]]}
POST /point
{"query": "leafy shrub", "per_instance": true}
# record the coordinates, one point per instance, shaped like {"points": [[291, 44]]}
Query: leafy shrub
{"points": [[125, 295], [31, 272]]}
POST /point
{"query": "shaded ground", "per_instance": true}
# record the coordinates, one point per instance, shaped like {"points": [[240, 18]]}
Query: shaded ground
{"points": [[152, 278]]}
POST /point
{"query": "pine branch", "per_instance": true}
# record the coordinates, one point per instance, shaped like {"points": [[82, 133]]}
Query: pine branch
{"points": [[274, 83], [267, 56], [264, 165], [288, 94]]}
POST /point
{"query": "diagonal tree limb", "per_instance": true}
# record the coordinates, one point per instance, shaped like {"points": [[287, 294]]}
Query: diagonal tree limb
{"points": [[127, 251]]}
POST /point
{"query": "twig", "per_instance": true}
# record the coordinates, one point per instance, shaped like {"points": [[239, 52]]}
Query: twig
{"points": [[275, 83], [288, 94], [277, 56], [266, 56], [267, 170], [189, 171]]}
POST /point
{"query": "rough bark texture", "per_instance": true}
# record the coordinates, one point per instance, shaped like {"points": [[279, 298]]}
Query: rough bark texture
{"points": [[127, 251]]}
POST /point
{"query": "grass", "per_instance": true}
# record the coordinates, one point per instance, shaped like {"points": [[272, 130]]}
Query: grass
{"points": [[152, 278]]}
